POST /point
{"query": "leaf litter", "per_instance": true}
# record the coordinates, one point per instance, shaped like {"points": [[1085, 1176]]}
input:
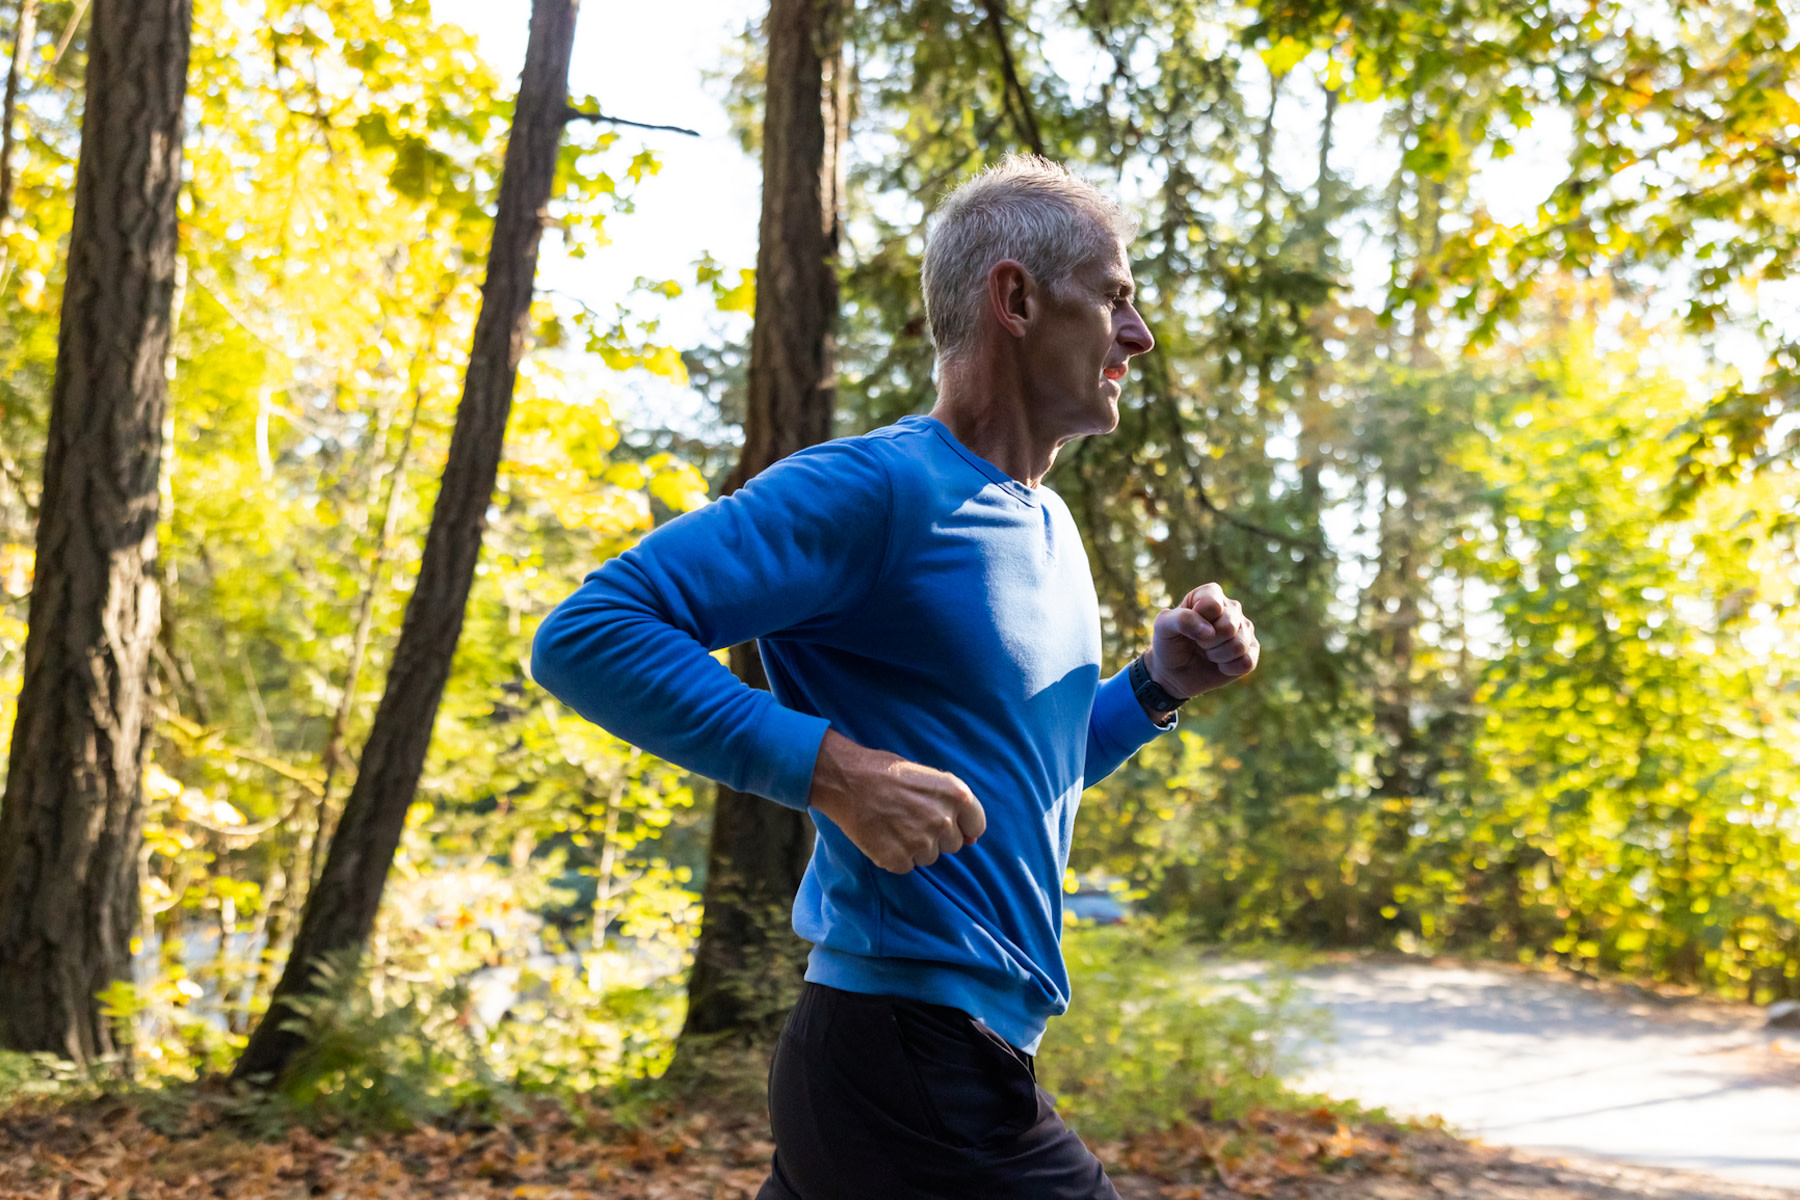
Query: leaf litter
{"points": [[119, 1149]]}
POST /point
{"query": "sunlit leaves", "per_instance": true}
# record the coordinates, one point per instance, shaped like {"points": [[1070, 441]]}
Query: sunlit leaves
{"points": [[732, 291], [1681, 170], [1662, 823], [343, 161]]}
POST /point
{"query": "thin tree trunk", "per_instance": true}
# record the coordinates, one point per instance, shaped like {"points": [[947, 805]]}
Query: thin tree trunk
{"points": [[238, 1018], [609, 860], [340, 912], [334, 757], [70, 825], [1326, 126], [748, 963], [68, 33], [24, 35]]}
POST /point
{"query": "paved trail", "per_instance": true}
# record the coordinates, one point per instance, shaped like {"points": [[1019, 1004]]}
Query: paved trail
{"points": [[1555, 1067]]}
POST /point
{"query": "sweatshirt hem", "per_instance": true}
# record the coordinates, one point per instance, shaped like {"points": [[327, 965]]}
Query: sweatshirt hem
{"points": [[932, 983]]}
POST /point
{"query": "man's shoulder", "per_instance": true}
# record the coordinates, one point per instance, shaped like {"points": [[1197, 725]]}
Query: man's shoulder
{"points": [[846, 478], [1052, 499], [849, 460], [908, 438], [892, 451]]}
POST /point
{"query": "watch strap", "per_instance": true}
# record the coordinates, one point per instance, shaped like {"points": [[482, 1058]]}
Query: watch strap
{"points": [[1151, 694]]}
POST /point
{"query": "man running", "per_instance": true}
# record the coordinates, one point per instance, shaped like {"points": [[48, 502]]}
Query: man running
{"points": [[926, 614]]}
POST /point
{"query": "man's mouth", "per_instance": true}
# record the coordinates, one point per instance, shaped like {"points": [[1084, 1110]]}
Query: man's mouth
{"points": [[1115, 373]]}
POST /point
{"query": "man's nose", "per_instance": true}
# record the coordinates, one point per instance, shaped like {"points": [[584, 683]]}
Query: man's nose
{"points": [[1134, 334]]}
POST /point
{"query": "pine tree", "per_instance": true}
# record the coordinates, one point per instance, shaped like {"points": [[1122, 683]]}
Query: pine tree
{"points": [[70, 825], [747, 966]]}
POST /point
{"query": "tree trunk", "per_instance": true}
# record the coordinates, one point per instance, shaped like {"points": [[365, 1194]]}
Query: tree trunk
{"points": [[340, 912], [24, 35], [748, 963], [70, 824]]}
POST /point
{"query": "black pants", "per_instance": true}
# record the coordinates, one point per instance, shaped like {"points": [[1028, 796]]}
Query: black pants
{"points": [[877, 1097]]}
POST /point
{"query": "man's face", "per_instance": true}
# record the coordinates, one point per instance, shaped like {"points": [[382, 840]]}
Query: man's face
{"points": [[1075, 353]]}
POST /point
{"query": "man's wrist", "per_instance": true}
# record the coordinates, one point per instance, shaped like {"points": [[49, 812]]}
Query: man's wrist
{"points": [[1158, 702], [828, 773]]}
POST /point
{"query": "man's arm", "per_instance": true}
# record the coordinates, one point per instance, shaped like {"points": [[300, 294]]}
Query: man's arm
{"points": [[1198, 646], [899, 813], [801, 544], [631, 649]]}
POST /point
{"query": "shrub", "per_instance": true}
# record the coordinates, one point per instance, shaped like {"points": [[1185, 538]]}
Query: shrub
{"points": [[1154, 1035]]}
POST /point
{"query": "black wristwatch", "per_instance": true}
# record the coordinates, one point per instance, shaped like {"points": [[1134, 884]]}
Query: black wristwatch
{"points": [[1151, 694]]}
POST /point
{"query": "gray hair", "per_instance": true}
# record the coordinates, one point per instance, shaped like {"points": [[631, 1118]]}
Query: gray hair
{"points": [[1025, 208]]}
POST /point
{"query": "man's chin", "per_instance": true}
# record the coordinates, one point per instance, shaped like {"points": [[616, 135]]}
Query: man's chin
{"points": [[1108, 417]]}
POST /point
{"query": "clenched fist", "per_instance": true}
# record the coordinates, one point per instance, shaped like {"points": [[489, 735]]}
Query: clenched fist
{"points": [[1202, 644], [902, 815]]}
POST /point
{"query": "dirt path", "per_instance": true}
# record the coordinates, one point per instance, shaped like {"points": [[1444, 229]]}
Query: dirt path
{"points": [[1436, 1166], [1561, 1069]]}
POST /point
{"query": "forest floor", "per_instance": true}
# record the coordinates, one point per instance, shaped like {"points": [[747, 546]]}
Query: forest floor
{"points": [[1592, 1075], [108, 1148]]}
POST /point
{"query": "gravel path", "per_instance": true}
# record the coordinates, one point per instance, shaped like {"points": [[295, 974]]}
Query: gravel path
{"points": [[1563, 1068]]}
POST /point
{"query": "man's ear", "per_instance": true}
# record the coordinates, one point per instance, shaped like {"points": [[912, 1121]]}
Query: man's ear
{"points": [[1011, 296]]}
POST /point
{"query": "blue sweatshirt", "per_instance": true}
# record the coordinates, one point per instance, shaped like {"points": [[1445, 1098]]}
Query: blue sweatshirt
{"points": [[909, 594]]}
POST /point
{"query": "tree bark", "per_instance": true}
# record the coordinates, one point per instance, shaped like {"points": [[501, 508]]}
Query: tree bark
{"points": [[70, 823], [747, 966], [340, 912]]}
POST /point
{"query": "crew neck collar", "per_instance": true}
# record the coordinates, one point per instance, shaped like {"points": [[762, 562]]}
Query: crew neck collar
{"points": [[1015, 487]]}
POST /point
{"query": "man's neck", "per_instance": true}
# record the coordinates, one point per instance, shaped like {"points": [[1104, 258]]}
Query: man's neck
{"points": [[986, 411]]}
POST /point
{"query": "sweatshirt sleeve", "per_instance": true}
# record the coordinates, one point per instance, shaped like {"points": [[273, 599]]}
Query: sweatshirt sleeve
{"points": [[802, 543], [1117, 728]]}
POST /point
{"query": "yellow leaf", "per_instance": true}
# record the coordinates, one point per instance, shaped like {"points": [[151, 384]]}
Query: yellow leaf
{"points": [[741, 298], [679, 486], [1284, 55]]}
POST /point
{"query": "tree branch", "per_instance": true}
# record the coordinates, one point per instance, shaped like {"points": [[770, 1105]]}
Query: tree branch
{"points": [[1017, 101], [68, 33], [1248, 526], [581, 114]]}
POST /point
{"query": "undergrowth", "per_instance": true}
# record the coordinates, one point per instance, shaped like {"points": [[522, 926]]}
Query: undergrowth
{"points": [[1157, 1035]]}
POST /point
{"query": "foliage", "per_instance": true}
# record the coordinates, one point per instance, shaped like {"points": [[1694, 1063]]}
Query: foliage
{"points": [[1598, 764], [1640, 736], [343, 158], [1355, 462], [1155, 1037], [386, 1058], [1681, 168], [28, 1077]]}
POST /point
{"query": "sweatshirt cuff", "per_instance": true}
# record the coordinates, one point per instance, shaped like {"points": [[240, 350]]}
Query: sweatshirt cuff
{"points": [[787, 748], [1119, 718]]}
